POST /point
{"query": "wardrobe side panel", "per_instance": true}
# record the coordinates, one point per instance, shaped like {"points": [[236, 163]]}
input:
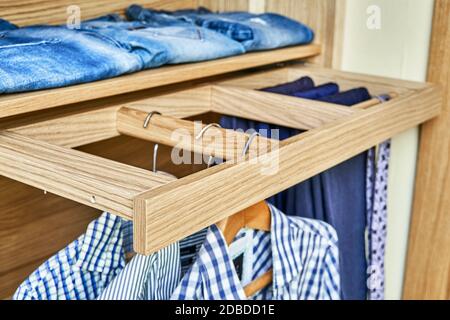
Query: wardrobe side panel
{"points": [[428, 263]]}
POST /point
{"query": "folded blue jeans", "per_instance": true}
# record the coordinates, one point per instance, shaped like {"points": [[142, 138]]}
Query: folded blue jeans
{"points": [[180, 43], [41, 57], [254, 31]]}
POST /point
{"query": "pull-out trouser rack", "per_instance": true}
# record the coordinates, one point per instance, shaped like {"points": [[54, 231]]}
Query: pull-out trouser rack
{"points": [[164, 209]]}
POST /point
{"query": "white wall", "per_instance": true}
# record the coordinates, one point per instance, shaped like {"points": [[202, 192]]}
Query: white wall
{"points": [[398, 49]]}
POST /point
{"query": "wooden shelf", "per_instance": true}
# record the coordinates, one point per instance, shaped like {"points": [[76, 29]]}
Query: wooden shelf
{"points": [[14, 104]]}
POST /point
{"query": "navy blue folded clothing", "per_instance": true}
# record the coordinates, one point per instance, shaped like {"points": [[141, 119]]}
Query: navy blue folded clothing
{"points": [[318, 92], [302, 84], [348, 98]]}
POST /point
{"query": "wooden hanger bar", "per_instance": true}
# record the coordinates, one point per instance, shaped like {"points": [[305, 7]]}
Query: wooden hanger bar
{"points": [[372, 102], [275, 108], [87, 179], [13, 104], [176, 210], [186, 135]]}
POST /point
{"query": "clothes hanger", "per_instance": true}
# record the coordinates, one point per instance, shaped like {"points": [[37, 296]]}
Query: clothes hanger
{"points": [[256, 217]]}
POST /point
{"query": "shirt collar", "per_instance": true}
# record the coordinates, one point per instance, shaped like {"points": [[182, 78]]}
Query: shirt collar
{"points": [[217, 268], [102, 247]]}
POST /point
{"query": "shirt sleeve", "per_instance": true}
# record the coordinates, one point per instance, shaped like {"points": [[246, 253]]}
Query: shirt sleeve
{"points": [[331, 278]]}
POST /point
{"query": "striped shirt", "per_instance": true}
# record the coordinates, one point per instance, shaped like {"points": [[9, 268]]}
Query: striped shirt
{"points": [[153, 277], [85, 267], [303, 254], [94, 265]]}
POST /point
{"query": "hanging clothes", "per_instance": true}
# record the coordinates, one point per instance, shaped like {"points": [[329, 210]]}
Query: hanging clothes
{"points": [[377, 195], [83, 269], [303, 254], [94, 266], [153, 277], [336, 196]]}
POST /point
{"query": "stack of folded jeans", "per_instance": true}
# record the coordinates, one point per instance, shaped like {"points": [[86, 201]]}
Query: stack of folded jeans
{"points": [[41, 57], [253, 31], [179, 43]]}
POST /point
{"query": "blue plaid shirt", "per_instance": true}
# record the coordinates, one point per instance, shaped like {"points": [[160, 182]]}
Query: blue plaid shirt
{"points": [[93, 265], [303, 254]]}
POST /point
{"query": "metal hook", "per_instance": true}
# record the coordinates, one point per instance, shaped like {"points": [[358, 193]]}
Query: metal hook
{"points": [[382, 98], [210, 161], [149, 117], [209, 126], [155, 157], [200, 135], [249, 143]]}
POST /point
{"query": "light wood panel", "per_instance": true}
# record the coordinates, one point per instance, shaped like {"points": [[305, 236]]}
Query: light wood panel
{"points": [[225, 5], [90, 180], [274, 108], [13, 104], [96, 121], [320, 15], [172, 212], [182, 134], [26, 12], [428, 262]]}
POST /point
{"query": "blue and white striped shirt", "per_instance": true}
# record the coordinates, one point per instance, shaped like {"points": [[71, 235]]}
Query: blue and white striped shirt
{"points": [[85, 267], [153, 277], [303, 254], [93, 266]]}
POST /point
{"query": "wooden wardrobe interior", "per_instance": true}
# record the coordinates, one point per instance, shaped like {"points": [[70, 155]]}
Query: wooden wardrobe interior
{"points": [[34, 225]]}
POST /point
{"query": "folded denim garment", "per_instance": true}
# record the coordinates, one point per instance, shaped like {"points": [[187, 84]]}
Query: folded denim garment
{"points": [[180, 43], [41, 57], [255, 32], [6, 25]]}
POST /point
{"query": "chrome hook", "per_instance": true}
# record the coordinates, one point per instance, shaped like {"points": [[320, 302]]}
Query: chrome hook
{"points": [[149, 117], [200, 135], [209, 126], [155, 157], [249, 143]]}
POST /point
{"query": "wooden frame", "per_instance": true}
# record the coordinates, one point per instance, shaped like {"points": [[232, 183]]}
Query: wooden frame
{"points": [[63, 120], [165, 210]]}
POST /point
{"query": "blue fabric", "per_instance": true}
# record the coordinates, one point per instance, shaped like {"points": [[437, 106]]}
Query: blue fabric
{"points": [[42, 57], [336, 196], [348, 98], [302, 84], [318, 92], [152, 277], [302, 253], [179, 43], [83, 269], [6, 25], [255, 32]]}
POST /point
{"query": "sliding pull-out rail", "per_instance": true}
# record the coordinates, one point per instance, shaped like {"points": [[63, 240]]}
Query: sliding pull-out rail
{"points": [[165, 210]]}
